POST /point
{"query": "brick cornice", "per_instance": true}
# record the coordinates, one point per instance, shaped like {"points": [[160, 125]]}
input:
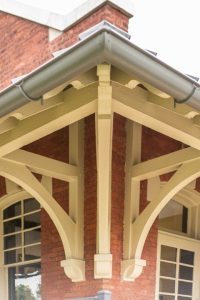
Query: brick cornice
{"points": [[60, 21]]}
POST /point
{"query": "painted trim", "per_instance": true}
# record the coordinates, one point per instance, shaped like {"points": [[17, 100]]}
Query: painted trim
{"points": [[179, 242], [6, 201]]}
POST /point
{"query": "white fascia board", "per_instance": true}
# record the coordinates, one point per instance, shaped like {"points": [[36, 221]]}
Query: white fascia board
{"points": [[59, 21]]}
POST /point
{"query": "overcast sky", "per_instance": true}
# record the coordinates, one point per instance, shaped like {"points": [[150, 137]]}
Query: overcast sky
{"points": [[168, 27]]}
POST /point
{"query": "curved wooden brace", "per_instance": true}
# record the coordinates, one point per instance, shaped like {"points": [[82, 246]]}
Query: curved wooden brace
{"points": [[140, 228], [64, 224], [132, 84]]}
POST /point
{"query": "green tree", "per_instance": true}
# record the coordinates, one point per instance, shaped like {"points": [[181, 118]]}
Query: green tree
{"points": [[23, 292]]}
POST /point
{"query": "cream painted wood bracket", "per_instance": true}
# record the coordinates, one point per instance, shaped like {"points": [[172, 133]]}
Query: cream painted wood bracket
{"points": [[76, 199], [74, 266], [141, 226], [164, 164], [131, 268], [44, 165], [11, 187], [153, 116], [131, 83], [76, 187], [104, 129], [51, 119]]}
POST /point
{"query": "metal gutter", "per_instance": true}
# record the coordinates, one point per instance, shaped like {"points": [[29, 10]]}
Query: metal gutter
{"points": [[104, 45]]}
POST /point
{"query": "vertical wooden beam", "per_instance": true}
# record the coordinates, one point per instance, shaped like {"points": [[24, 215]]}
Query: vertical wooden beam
{"points": [[132, 200], [104, 129], [132, 187], [76, 157], [76, 154]]}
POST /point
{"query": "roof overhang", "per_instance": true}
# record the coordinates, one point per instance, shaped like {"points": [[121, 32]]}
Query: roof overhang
{"points": [[104, 45]]}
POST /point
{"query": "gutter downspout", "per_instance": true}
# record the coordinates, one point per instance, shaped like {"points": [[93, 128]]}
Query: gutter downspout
{"points": [[104, 45]]}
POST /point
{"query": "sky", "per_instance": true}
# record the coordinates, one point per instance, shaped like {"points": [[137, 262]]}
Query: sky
{"points": [[168, 27]]}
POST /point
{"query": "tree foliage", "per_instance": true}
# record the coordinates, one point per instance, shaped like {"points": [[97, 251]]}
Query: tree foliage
{"points": [[23, 292]]}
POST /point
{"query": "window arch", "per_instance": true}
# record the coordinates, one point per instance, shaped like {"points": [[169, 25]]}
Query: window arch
{"points": [[21, 248], [178, 253], [174, 217]]}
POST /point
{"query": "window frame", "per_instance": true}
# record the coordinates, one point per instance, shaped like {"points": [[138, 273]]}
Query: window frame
{"points": [[183, 242], [7, 201]]}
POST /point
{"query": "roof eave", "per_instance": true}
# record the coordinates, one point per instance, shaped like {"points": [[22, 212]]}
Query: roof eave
{"points": [[104, 45]]}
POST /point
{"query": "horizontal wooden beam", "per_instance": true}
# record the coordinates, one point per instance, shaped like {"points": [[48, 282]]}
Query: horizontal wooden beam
{"points": [[76, 105], [134, 105], [44, 165], [164, 164]]}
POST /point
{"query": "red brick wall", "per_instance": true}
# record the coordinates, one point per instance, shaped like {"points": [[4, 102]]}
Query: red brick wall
{"points": [[2, 186], [54, 146], [25, 45]]}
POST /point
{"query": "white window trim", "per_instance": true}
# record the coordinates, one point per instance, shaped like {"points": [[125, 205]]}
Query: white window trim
{"points": [[191, 199], [183, 242], [7, 201]]}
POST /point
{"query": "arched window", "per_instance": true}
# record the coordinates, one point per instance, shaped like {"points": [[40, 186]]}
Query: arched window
{"points": [[22, 249], [178, 275]]}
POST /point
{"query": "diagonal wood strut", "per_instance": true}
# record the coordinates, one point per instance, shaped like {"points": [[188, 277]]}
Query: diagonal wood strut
{"points": [[76, 105], [134, 105], [44, 165], [164, 164], [141, 226]]}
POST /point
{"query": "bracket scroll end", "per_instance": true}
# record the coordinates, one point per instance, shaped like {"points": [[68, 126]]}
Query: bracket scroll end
{"points": [[74, 269], [132, 269]]}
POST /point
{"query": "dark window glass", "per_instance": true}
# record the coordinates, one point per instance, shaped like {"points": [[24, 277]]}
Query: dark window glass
{"points": [[174, 216], [185, 219], [187, 257], [168, 253], [185, 288], [12, 241], [167, 269], [184, 298], [186, 273], [31, 205], [12, 226], [32, 220], [32, 236], [12, 211], [13, 256], [166, 297], [167, 285], [32, 252]]}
